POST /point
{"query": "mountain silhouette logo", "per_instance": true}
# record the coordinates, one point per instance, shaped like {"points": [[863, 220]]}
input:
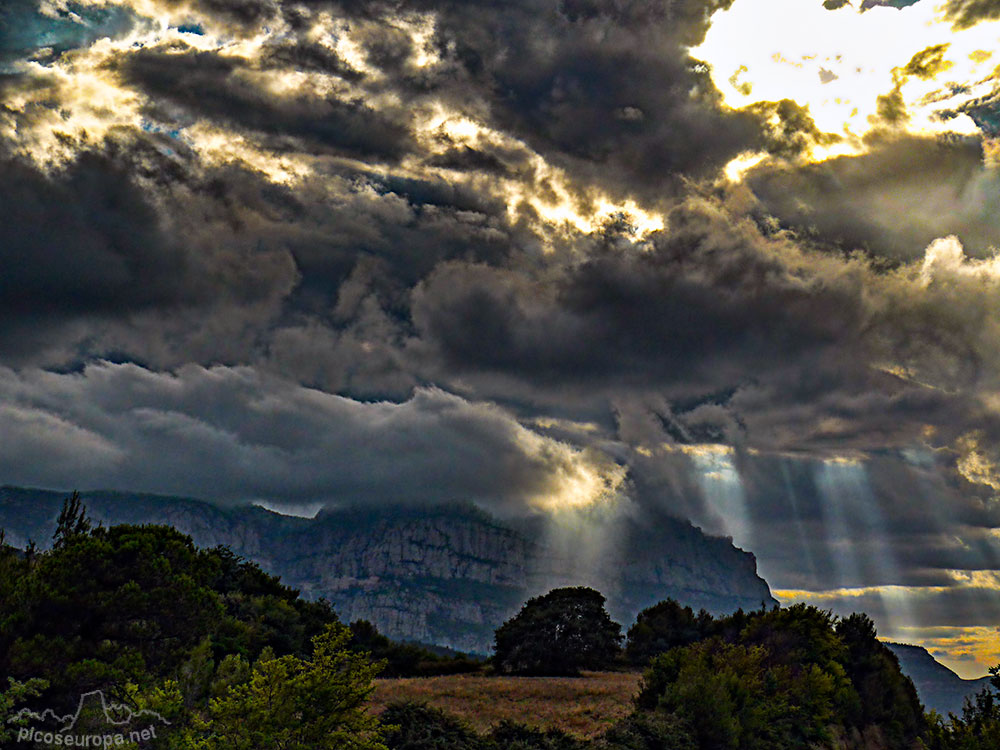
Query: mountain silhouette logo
{"points": [[106, 723], [115, 714]]}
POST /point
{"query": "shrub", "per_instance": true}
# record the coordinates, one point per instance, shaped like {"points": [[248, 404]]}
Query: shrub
{"points": [[417, 726]]}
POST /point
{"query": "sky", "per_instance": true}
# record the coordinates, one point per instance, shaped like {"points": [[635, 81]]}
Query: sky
{"points": [[731, 259]]}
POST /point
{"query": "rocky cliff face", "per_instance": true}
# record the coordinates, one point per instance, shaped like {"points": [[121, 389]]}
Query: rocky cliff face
{"points": [[447, 575]]}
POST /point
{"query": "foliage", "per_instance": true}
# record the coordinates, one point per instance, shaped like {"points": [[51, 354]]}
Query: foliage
{"points": [[11, 701], [789, 678], [886, 697], [107, 607], [141, 613], [290, 703], [407, 659], [508, 735], [416, 726], [734, 696], [130, 604], [649, 730], [662, 627], [72, 521], [559, 633], [978, 728]]}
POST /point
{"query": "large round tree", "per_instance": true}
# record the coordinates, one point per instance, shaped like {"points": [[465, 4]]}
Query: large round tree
{"points": [[560, 633]]}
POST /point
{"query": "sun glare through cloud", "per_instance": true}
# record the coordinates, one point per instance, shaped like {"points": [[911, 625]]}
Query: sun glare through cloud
{"points": [[850, 69]]}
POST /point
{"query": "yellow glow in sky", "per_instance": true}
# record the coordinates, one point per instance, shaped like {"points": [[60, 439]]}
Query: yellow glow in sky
{"points": [[838, 63]]}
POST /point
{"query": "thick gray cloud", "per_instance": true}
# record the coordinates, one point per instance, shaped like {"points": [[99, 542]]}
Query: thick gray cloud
{"points": [[892, 201], [88, 246], [206, 84], [607, 88], [232, 434], [711, 301]]}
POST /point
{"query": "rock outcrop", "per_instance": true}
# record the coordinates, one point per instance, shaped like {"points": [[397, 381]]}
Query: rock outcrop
{"points": [[447, 575]]}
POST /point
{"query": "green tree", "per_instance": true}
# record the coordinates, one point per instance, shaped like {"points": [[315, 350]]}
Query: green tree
{"points": [[263, 611], [735, 697], [11, 701], [560, 633], [72, 522], [886, 697], [978, 728], [290, 703], [106, 608], [662, 627]]}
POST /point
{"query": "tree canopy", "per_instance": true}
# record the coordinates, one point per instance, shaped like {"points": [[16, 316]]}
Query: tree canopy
{"points": [[560, 633]]}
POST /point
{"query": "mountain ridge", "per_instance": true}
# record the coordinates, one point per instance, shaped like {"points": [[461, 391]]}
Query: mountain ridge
{"points": [[939, 688], [448, 574]]}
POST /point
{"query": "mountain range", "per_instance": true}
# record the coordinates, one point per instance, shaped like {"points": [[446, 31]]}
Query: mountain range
{"points": [[446, 575]]}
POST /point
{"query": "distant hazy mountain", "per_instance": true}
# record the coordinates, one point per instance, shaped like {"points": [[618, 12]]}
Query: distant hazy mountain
{"points": [[446, 575], [939, 687]]}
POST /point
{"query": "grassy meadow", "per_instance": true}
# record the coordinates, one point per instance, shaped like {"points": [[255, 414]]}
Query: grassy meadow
{"points": [[582, 706]]}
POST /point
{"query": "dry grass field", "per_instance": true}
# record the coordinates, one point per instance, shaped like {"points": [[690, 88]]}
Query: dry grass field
{"points": [[583, 706]]}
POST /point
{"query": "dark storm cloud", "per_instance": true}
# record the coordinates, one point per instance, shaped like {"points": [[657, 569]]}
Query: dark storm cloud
{"points": [[604, 88], [967, 13], [892, 201], [711, 301], [230, 434], [206, 84], [82, 242], [88, 251]]}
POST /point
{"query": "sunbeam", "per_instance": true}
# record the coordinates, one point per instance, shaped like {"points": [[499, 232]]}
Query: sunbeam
{"points": [[723, 492], [865, 541]]}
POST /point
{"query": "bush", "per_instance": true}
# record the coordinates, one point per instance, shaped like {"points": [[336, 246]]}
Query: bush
{"points": [[508, 735], [735, 696], [648, 731], [296, 704], [417, 726], [785, 678], [978, 728], [407, 659]]}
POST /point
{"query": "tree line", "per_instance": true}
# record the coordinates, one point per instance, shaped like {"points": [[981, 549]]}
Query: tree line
{"points": [[233, 658]]}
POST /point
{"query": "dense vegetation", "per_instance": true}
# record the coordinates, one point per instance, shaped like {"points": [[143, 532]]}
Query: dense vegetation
{"points": [[234, 659], [203, 637]]}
